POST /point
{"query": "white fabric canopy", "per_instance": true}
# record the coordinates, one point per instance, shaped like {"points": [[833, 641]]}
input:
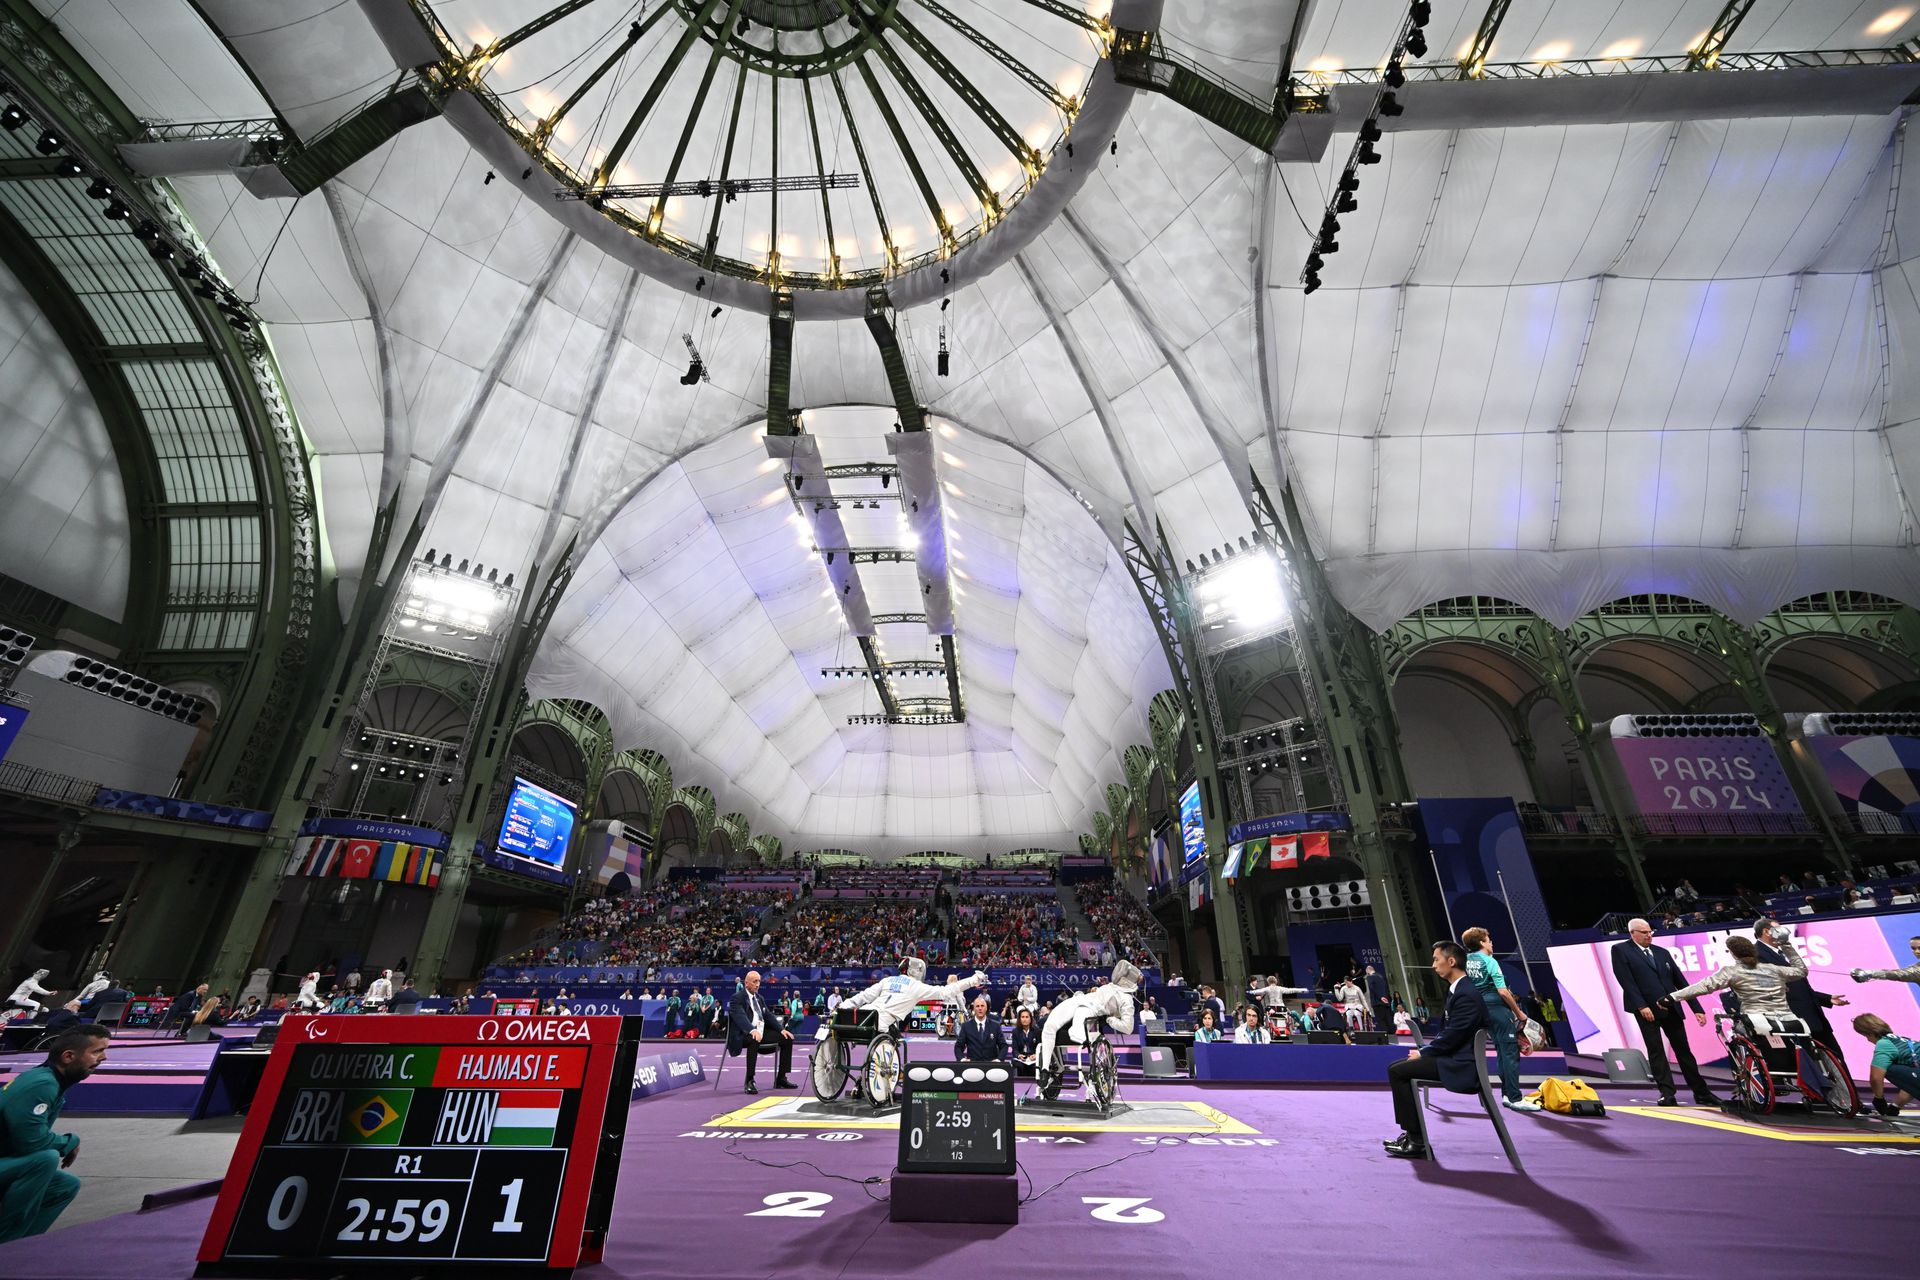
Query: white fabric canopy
{"points": [[1554, 364]]}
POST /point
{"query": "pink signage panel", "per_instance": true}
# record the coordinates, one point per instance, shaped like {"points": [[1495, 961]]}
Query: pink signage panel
{"points": [[1705, 775]]}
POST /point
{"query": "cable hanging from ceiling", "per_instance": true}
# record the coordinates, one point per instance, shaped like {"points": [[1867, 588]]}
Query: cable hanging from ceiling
{"points": [[1411, 43]]}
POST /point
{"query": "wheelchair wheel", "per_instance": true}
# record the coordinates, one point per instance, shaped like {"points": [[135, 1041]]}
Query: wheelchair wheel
{"points": [[1752, 1082], [1839, 1093], [829, 1068], [882, 1071], [1100, 1073]]}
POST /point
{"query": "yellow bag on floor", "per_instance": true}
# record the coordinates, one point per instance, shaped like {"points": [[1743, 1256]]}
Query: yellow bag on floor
{"points": [[1570, 1097]]}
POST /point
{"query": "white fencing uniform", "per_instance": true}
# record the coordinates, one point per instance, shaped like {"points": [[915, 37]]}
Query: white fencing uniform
{"points": [[380, 990], [309, 1000], [100, 983], [1114, 1002], [897, 996], [23, 995]]}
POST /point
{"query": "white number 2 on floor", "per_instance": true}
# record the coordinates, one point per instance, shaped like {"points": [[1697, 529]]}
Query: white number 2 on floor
{"points": [[793, 1204], [1123, 1209]]}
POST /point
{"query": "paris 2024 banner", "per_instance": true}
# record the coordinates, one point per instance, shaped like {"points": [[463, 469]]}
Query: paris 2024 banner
{"points": [[1831, 947]]}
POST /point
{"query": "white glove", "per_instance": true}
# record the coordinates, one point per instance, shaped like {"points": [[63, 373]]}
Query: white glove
{"points": [[979, 978], [821, 1034]]}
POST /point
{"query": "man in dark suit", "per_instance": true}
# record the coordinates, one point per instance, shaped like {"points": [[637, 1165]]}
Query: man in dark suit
{"points": [[1647, 975], [978, 1039], [755, 1025], [1808, 1005], [1380, 1000], [1448, 1057]]}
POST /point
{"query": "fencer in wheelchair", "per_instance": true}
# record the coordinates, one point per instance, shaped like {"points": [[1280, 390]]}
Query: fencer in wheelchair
{"points": [[891, 1000], [1112, 1003], [1769, 1049]]}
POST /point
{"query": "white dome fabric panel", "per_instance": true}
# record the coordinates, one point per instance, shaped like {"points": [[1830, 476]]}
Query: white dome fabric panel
{"points": [[1557, 365], [63, 509], [701, 619], [1567, 364]]}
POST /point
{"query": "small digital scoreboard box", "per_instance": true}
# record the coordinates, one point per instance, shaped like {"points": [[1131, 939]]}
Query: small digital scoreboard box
{"points": [[958, 1119], [146, 1011], [424, 1142]]}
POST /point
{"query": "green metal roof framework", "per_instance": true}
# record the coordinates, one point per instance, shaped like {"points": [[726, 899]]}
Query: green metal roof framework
{"points": [[729, 31], [225, 543]]}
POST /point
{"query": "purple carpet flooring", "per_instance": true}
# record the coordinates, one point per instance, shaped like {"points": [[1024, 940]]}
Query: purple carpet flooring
{"points": [[1637, 1195]]}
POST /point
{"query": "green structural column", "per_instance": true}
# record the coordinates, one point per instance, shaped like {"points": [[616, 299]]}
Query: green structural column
{"points": [[42, 894], [319, 725], [1553, 651], [1354, 709], [1160, 587], [1737, 650]]}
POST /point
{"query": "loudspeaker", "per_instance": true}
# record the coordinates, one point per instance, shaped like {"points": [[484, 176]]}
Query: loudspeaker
{"points": [[1156, 1060], [1370, 1037]]}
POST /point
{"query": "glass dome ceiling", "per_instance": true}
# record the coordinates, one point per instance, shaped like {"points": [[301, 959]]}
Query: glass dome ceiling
{"points": [[806, 143]]}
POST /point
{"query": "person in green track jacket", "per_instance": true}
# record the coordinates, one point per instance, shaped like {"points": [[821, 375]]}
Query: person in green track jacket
{"points": [[34, 1188]]}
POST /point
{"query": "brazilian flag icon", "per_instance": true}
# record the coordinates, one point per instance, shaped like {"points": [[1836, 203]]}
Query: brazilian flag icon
{"points": [[376, 1118]]}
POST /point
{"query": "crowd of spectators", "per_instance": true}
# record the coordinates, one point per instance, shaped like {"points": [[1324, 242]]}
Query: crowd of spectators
{"points": [[679, 922], [843, 932], [1118, 920], [1020, 930]]}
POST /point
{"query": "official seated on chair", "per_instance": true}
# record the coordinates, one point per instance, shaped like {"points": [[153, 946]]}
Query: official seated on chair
{"points": [[978, 1038], [1448, 1057], [755, 1026]]}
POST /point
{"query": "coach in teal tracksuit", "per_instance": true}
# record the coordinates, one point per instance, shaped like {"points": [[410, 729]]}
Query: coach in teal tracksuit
{"points": [[33, 1187]]}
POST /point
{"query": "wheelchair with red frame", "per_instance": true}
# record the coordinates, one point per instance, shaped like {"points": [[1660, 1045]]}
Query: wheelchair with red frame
{"points": [[1772, 1057]]}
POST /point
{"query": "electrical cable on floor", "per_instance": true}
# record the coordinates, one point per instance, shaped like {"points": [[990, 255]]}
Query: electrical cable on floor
{"points": [[862, 1183], [1030, 1198]]}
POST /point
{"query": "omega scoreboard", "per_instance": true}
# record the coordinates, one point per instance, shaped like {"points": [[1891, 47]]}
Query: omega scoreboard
{"points": [[957, 1119], [414, 1141]]}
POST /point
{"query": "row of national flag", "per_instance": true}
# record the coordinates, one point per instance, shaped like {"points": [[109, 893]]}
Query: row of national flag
{"points": [[352, 859], [1274, 853]]}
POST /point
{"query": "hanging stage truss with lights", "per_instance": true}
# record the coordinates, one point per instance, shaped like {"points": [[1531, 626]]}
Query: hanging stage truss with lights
{"points": [[707, 188]]}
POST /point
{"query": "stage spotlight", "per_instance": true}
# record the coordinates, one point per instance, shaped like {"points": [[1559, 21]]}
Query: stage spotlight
{"points": [[1313, 283], [942, 364], [12, 118], [1345, 203], [1390, 105], [47, 144], [1367, 154], [116, 212], [1314, 263], [1421, 13], [1417, 45], [1349, 182], [1369, 130], [1394, 75], [100, 189], [69, 168], [146, 231]]}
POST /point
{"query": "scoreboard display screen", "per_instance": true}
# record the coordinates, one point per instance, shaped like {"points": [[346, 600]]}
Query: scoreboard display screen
{"points": [[421, 1140], [958, 1119], [147, 1011]]}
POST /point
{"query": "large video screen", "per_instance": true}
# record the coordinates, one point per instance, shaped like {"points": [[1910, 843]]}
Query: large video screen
{"points": [[1193, 829], [537, 825], [1831, 947]]}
